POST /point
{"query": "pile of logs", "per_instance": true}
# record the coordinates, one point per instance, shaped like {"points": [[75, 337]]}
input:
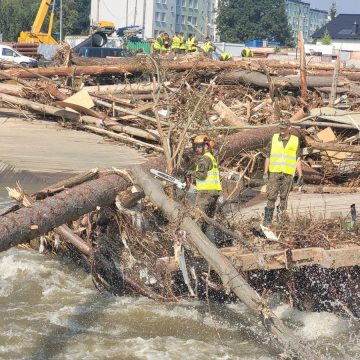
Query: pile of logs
{"points": [[158, 105]]}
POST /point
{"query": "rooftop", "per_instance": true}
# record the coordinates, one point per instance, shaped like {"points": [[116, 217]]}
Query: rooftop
{"points": [[344, 26]]}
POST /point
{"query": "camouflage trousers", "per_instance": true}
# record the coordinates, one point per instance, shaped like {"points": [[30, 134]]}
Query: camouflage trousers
{"points": [[278, 184], [207, 203]]}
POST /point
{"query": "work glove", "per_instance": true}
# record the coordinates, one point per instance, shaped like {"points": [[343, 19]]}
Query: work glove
{"points": [[266, 177], [300, 181]]}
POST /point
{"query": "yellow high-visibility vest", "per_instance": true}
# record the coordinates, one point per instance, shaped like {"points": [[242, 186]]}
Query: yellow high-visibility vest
{"points": [[159, 43], [283, 160], [225, 56], [247, 53], [207, 47], [212, 181], [183, 45], [191, 44], [175, 43]]}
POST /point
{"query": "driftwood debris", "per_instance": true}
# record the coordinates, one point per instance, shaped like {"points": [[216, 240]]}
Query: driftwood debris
{"points": [[224, 268]]}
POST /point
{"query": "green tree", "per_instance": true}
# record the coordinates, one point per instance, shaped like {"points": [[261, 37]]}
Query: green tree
{"points": [[244, 20], [332, 11], [326, 39], [19, 15]]}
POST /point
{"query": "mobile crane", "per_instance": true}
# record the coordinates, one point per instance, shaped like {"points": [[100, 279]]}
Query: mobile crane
{"points": [[35, 36]]}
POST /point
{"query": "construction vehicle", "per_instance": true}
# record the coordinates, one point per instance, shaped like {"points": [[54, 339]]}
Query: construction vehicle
{"points": [[35, 36], [106, 27]]}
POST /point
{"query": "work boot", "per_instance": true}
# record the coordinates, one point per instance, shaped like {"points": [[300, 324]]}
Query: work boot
{"points": [[268, 216]]}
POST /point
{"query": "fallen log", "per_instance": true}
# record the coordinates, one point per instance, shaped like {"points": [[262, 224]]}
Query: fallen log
{"points": [[223, 267], [135, 88], [144, 66], [227, 115], [334, 147], [43, 216], [122, 138], [259, 79]]}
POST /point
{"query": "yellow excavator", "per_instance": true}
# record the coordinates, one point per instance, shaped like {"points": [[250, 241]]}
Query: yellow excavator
{"points": [[35, 36]]}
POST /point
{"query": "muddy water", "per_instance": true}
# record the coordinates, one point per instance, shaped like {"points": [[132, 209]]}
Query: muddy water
{"points": [[49, 309]]}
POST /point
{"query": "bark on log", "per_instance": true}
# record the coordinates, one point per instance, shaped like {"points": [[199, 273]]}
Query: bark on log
{"points": [[137, 88], [335, 147], [146, 65], [224, 268], [43, 216], [259, 79]]}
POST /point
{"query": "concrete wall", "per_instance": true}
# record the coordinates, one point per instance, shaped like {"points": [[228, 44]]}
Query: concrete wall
{"points": [[345, 45]]}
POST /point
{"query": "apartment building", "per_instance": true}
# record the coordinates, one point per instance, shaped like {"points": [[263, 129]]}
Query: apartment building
{"points": [[303, 18], [158, 15]]}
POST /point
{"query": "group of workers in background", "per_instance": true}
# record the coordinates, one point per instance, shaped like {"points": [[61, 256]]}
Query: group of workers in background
{"points": [[179, 44]]}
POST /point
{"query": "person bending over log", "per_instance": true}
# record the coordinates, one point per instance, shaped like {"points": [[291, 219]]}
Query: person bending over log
{"points": [[207, 178], [282, 160]]}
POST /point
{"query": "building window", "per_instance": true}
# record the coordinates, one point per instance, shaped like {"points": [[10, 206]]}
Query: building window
{"points": [[158, 1], [178, 2], [178, 19], [194, 22], [183, 19], [190, 3], [164, 1], [189, 19], [163, 17], [157, 16], [183, 3], [196, 5]]}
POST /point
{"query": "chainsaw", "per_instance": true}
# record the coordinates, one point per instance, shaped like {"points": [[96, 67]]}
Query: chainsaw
{"points": [[186, 186]]}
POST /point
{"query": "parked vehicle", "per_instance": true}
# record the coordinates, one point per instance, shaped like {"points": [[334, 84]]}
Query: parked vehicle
{"points": [[10, 55], [101, 52]]}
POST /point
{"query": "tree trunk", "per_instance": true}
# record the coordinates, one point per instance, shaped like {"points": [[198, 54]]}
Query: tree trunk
{"points": [[43, 216], [223, 267], [259, 79]]}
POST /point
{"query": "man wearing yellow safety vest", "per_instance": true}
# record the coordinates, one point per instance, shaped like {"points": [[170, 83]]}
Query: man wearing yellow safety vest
{"points": [[247, 53], [282, 161], [208, 47], [175, 43], [158, 45], [207, 177], [183, 45], [191, 43]]}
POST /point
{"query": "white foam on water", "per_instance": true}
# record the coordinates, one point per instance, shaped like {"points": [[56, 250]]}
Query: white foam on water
{"points": [[314, 324], [156, 348], [24, 266]]}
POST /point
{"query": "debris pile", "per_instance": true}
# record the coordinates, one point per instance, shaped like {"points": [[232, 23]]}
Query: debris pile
{"points": [[135, 237]]}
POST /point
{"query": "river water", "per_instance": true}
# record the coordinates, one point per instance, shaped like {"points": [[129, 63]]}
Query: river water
{"points": [[49, 309]]}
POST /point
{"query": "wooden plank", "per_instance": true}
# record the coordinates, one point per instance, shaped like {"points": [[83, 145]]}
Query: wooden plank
{"points": [[282, 259]]}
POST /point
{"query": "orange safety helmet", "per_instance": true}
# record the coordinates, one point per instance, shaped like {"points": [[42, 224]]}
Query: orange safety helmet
{"points": [[203, 140]]}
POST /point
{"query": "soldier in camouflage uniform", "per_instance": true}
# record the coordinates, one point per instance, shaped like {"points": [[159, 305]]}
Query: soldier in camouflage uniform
{"points": [[282, 160], [206, 175]]}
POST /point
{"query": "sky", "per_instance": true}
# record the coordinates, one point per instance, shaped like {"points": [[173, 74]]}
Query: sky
{"points": [[343, 6]]}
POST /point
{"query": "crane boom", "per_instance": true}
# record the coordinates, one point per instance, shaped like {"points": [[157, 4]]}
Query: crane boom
{"points": [[40, 16], [35, 36]]}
